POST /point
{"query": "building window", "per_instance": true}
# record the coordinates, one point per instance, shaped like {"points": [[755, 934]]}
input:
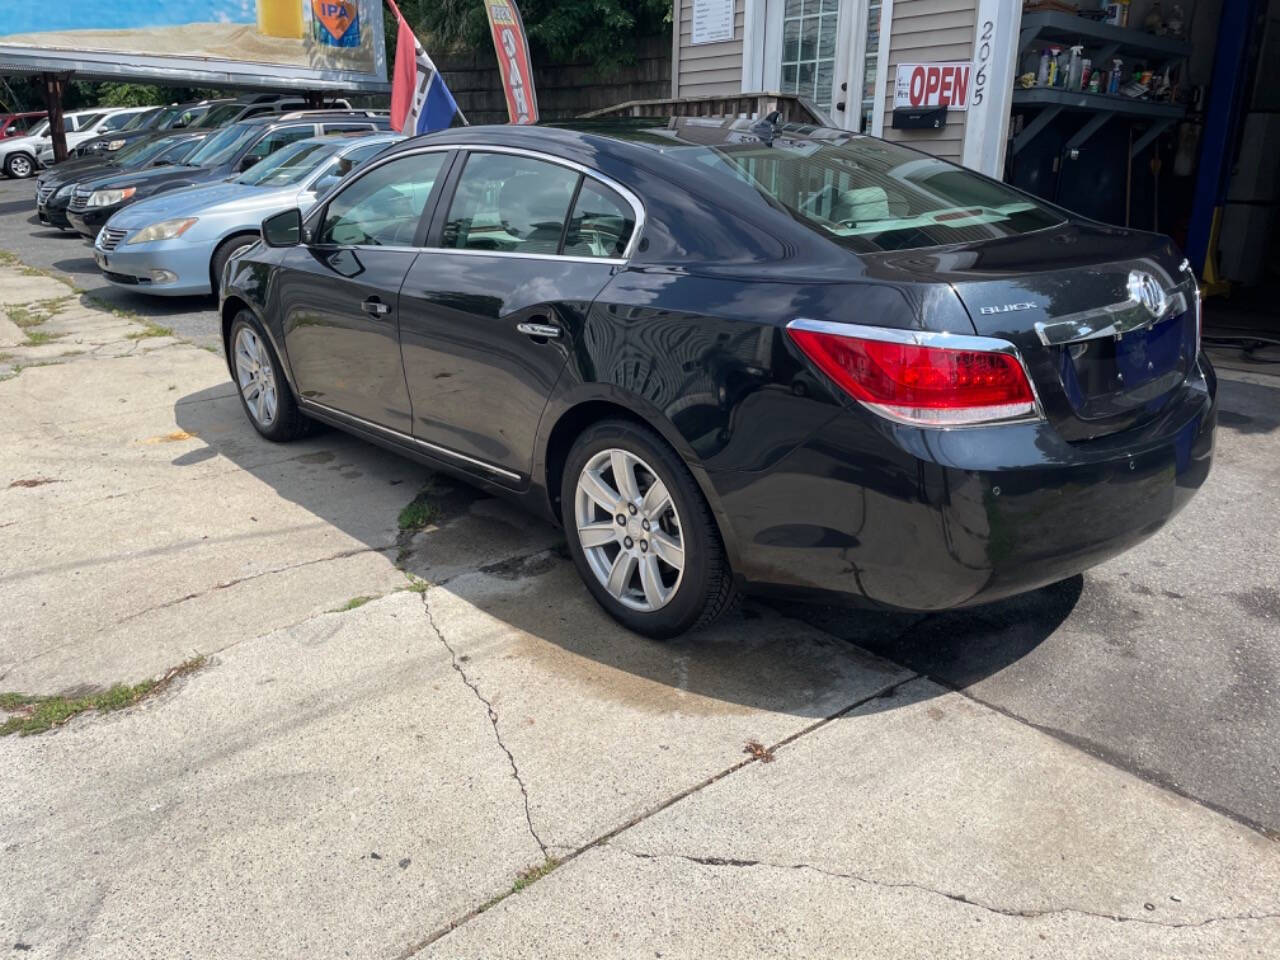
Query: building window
{"points": [[809, 49]]}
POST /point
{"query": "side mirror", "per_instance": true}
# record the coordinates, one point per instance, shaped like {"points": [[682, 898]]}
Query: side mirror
{"points": [[283, 229], [247, 162]]}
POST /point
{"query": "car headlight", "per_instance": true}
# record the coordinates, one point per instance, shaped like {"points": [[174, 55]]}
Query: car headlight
{"points": [[109, 198], [164, 230], [115, 144]]}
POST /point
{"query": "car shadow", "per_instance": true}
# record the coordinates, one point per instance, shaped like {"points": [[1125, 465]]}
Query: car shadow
{"points": [[764, 655]]}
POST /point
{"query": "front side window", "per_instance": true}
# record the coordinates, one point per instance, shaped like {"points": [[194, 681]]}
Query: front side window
{"points": [[384, 207], [509, 203], [117, 121], [601, 224]]}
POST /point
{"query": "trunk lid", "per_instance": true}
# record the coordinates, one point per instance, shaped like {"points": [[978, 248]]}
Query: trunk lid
{"points": [[1105, 318]]}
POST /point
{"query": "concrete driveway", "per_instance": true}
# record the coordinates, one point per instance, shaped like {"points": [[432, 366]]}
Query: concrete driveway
{"points": [[430, 742]]}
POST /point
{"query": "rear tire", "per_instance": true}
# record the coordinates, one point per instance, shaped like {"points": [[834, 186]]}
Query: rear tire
{"points": [[264, 392], [225, 251], [19, 166], [640, 532]]}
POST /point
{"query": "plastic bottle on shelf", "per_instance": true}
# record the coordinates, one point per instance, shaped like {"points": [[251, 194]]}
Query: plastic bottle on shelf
{"points": [[1117, 76], [1042, 77], [1075, 68], [1051, 78]]}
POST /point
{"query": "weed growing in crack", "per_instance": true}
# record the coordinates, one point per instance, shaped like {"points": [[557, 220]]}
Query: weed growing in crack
{"points": [[419, 513], [535, 873], [353, 604], [36, 338], [150, 330], [36, 714]]}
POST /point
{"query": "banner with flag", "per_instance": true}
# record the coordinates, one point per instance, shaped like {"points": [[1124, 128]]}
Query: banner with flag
{"points": [[513, 60], [420, 101]]}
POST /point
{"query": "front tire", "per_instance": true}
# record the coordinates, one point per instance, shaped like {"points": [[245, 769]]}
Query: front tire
{"points": [[19, 166], [226, 250], [264, 392], [641, 533]]}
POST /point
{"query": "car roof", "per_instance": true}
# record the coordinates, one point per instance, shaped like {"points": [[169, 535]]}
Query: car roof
{"points": [[314, 116]]}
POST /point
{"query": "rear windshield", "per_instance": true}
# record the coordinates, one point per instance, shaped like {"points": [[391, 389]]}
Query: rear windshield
{"points": [[868, 194]]}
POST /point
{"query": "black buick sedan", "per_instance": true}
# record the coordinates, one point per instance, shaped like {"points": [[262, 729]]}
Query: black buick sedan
{"points": [[736, 354]]}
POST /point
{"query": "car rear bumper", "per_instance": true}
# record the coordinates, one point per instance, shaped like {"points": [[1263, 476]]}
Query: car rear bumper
{"points": [[918, 519], [139, 267]]}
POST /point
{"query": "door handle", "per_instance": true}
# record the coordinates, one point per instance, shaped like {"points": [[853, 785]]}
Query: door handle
{"points": [[539, 330], [375, 307]]}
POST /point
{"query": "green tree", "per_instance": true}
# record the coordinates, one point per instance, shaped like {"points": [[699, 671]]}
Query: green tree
{"points": [[132, 95], [599, 32]]}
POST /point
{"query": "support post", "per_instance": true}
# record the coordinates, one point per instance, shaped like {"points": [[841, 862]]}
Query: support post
{"points": [[54, 84]]}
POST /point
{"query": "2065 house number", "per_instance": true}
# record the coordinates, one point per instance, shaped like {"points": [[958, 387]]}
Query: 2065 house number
{"points": [[981, 61]]}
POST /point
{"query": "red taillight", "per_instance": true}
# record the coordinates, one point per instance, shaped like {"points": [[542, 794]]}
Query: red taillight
{"points": [[978, 380]]}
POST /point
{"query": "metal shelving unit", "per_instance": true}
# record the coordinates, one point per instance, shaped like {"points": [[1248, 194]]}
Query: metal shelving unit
{"points": [[1105, 42]]}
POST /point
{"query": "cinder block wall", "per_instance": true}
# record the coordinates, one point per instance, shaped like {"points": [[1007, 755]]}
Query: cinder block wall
{"points": [[564, 90]]}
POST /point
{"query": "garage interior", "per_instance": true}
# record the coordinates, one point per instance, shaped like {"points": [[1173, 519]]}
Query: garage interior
{"points": [[1184, 140]]}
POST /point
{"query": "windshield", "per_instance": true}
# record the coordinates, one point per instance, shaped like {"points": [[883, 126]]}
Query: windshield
{"points": [[290, 165], [142, 152], [117, 121], [223, 145], [863, 193], [219, 115], [40, 129], [139, 120]]}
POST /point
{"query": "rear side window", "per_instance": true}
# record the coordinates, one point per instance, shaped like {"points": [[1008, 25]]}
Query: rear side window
{"points": [[601, 224], [384, 207], [509, 203], [347, 127]]}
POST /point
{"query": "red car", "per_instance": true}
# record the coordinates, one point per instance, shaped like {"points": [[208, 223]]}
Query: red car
{"points": [[19, 124]]}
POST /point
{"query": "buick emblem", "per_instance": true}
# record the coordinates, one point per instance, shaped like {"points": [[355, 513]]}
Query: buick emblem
{"points": [[1146, 290]]}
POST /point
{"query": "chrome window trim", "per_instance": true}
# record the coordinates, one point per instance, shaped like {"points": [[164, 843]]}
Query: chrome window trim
{"points": [[637, 205], [401, 435], [930, 338]]}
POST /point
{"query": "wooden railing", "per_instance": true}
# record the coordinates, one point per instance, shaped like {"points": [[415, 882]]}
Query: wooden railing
{"points": [[793, 109]]}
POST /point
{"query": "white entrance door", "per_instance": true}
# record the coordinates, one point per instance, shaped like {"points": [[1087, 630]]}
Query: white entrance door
{"points": [[823, 50]]}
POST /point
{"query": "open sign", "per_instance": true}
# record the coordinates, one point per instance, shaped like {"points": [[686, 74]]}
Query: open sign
{"points": [[933, 85]]}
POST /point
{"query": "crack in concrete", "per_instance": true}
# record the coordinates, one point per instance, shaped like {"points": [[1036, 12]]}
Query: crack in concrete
{"points": [[226, 584], [710, 861], [493, 719]]}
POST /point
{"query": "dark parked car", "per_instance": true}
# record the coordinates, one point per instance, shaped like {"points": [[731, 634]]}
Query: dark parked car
{"points": [[154, 123], [229, 151], [54, 186], [741, 354]]}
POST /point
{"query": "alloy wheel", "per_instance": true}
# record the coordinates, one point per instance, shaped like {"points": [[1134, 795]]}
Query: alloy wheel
{"points": [[20, 166], [629, 530], [256, 377]]}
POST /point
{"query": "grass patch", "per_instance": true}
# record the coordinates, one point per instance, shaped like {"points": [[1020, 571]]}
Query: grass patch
{"points": [[150, 329], [36, 714], [416, 584], [8, 259], [419, 513], [33, 314], [353, 604], [36, 338]]}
